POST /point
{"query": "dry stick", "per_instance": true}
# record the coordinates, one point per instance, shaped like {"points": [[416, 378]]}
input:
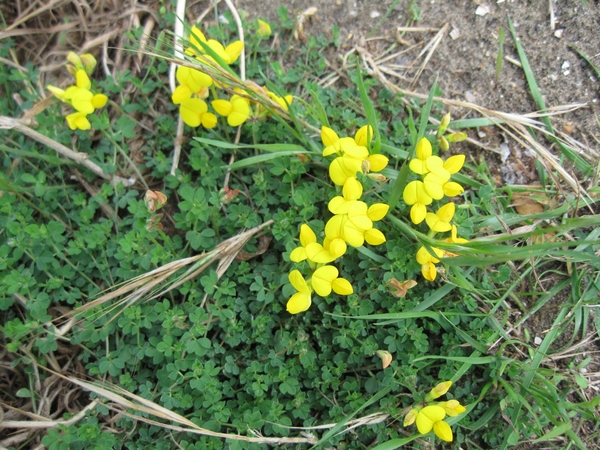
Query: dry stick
{"points": [[118, 396], [47, 423], [178, 31], [240, 28], [81, 158], [431, 46]]}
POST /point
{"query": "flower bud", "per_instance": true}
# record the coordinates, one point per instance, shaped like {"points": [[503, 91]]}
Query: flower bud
{"points": [[443, 144], [456, 137], [443, 124], [385, 356], [377, 177], [410, 418], [89, 63], [226, 195], [264, 29], [154, 200], [439, 390]]}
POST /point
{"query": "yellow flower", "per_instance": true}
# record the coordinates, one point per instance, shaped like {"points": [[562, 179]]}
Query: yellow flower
{"points": [[300, 301], [423, 152], [453, 408], [428, 261], [194, 112], [432, 417], [410, 418], [439, 390], [364, 135], [228, 54], [440, 221], [307, 236], [377, 162], [415, 194], [342, 168], [264, 29], [351, 192], [237, 109], [78, 121], [325, 279]]}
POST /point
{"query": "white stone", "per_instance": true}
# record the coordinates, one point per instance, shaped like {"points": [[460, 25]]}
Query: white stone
{"points": [[482, 10], [537, 340]]}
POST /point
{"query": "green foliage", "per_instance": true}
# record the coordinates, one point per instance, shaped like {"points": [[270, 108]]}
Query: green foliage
{"points": [[223, 352]]}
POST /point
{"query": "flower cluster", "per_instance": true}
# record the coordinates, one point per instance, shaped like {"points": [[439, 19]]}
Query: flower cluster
{"points": [[80, 95], [351, 224], [194, 86], [430, 415], [435, 184]]}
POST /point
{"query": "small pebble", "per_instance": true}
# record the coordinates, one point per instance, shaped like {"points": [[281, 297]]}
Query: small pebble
{"points": [[375, 14], [558, 33], [482, 10], [537, 340]]}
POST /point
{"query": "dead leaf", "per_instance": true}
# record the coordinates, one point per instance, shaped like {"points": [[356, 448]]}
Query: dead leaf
{"points": [[399, 289], [524, 204]]}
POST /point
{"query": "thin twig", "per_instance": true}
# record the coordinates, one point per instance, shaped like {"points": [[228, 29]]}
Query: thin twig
{"points": [[80, 158]]}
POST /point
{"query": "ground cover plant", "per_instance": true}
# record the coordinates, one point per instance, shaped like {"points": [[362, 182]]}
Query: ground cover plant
{"points": [[310, 266]]}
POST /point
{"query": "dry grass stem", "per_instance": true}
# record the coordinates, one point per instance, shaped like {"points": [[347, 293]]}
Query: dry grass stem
{"points": [[80, 158], [160, 281], [124, 399], [43, 422]]}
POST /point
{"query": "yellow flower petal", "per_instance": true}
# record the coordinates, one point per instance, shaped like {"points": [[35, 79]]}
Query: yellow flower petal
{"points": [[423, 150], [241, 111], [415, 192], [339, 205], [57, 92], [322, 279], [377, 162], [233, 51], [342, 168], [443, 431], [357, 215], [418, 212], [428, 416], [99, 100], [452, 189], [428, 271], [81, 99], [454, 163], [374, 237], [328, 136], [307, 235], [192, 110], [181, 94], [317, 253], [364, 135], [298, 282], [341, 286], [334, 228], [441, 388], [352, 189], [418, 166], [353, 235], [209, 120], [453, 408], [298, 254], [83, 81], [377, 211], [298, 303], [337, 246], [222, 107], [78, 121]]}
